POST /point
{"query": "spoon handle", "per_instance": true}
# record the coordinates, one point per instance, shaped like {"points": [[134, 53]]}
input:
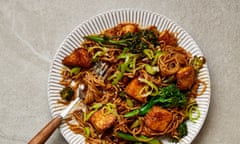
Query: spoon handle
{"points": [[46, 132]]}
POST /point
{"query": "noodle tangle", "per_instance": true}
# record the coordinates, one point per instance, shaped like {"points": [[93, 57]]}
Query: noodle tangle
{"points": [[105, 98]]}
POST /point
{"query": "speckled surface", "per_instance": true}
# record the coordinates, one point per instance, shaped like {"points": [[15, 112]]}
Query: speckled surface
{"points": [[31, 31]]}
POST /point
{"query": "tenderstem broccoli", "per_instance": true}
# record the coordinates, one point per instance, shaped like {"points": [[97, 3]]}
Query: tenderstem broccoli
{"points": [[169, 96], [135, 41]]}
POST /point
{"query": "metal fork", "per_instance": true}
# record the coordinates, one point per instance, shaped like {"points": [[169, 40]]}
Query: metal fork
{"points": [[100, 69]]}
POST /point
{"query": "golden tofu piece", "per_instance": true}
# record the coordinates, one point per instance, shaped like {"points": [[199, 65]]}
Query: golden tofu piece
{"points": [[185, 78], [121, 28], [134, 88], [157, 119], [102, 120], [79, 57], [129, 28], [169, 38]]}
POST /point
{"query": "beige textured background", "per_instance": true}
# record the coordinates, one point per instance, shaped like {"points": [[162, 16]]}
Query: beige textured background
{"points": [[31, 31]]}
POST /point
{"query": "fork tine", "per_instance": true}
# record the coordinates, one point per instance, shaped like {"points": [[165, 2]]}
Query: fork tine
{"points": [[101, 69], [106, 73], [104, 69], [98, 68], [95, 67]]}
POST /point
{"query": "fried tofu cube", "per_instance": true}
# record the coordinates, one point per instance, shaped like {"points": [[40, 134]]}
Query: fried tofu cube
{"points": [[102, 120], [134, 88], [185, 78], [169, 38], [129, 28], [157, 119], [121, 28], [79, 57]]}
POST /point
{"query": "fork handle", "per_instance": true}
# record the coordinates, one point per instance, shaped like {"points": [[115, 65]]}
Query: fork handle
{"points": [[46, 132]]}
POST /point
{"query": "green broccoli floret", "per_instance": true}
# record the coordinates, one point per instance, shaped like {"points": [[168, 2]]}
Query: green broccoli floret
{"points": [[197, 62], [67, 93], [182, 130], [140, 40], [171, 96]]}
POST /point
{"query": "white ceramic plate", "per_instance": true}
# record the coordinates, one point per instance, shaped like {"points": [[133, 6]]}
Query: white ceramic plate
{"points": [[110, 19]]}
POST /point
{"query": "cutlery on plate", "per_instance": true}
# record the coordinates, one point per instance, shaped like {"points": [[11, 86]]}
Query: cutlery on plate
{"points": [[100, 69]]}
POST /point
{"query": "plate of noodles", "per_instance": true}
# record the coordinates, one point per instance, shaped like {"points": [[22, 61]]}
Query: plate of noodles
{"points": [[157, 86]]}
